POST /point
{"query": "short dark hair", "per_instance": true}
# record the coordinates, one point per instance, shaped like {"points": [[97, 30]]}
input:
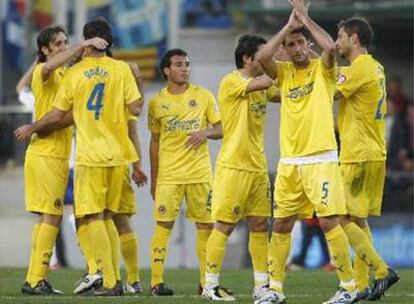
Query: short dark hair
{"points": [[165, 61], [247, 45], [301, 30], [98, 28], [45, 37], [360, 27]]}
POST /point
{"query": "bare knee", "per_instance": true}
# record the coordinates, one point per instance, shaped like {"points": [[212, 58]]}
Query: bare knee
{"points": [[52, 219], [361, 222], [284, 225], [226, 228], [328, 223], [123, 223], [258, 223], [204, 226], [166, 225]]}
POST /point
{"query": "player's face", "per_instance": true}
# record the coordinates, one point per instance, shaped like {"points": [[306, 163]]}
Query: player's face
{"points": [[342, 43], [257, 68], [59, 45], [179, 70], [297, 47]]}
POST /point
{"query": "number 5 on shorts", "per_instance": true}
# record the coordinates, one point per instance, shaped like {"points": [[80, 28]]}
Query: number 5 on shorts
{"points": [[97, 93], [325, 190]]}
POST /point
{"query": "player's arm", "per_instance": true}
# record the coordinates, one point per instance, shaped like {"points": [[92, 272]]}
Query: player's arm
{"points": [[266, 54], [138, 174], [26, 79], [321, 37], [276, 97], [138, 79], [74, 51], [154, 160], [49, 120], [259, 83], [199, 137], [67, 121]]}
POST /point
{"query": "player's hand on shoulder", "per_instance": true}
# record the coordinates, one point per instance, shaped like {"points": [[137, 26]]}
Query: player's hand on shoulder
{"points": [[24, 132]]}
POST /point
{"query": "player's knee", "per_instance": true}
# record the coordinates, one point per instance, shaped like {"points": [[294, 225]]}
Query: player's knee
{"points": [[284, 225], [204, 226], [328, 223], [258, 224], [226, 228], [361, 222], [52, 219], [122, 224], [166, 225]]}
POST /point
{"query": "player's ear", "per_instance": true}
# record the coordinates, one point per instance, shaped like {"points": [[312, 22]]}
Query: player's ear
{"points": [[354, 38], [45, 50]]}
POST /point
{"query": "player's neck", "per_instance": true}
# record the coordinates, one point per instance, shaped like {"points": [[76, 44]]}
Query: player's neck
{"points": [[355, 53], [177, 88], [246, 72]]}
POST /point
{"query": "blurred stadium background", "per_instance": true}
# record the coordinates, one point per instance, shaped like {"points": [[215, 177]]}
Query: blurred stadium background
{"points": [[207, 29]]}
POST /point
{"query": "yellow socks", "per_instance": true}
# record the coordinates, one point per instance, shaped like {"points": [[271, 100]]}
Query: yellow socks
{"points": [[339, 250], [115, 246], [279, 249], [100, 245], [215, 250], [258, 244], [129, 249], [35, 233], [201, 242], [159, 247], [366, 253], [84, 244], [44, 247]]}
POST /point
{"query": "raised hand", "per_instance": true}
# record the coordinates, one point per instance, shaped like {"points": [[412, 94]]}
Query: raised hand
{"points": [[294, 23], [300, 8], [98, 43]]}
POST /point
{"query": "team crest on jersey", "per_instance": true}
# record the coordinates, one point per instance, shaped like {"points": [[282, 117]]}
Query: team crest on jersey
{"points": [[341, 79], [236, 210], [165, 106], [162, 209], [58, 204], [192, 103]]}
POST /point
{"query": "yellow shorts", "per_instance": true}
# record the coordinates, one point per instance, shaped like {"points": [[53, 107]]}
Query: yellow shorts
{"points": [[45, 181], [363, 184], [302, 190], [239, 194], [97, 189], [128, 203], [168, 199]]}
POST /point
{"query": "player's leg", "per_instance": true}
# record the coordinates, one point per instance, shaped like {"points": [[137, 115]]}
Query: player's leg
{"points": [[168, 200], [198, 200], [129, 249], [258, 211]]}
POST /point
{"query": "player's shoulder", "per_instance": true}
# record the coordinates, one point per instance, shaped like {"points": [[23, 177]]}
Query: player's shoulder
{"points": [[200, 90], [232, 78]]}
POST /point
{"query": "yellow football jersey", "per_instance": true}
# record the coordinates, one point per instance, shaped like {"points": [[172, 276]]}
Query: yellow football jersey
{"points": [[58, 143], [98, 91], [306, 123], [243, 118], [175, 117], [362, 111]]}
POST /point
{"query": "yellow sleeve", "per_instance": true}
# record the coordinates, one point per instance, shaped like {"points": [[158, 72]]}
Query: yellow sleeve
{"points": [[64, 97], [213, 113], [280, 70], [130, 86], [235, 86], [272, 92], [350, 80], [153, 123]]}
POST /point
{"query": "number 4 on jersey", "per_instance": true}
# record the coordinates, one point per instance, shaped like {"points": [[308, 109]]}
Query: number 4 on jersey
{"points": [[97, 94]]}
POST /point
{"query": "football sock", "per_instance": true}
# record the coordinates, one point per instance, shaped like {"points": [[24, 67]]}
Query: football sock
{"points": [[46, 238], [339, 249], [365, 251], [201, 242], [129, 249], [216, 248], [100, 245], [279, 249], [115, 246], [159, 247], [258, 243], [85, 246], [35, 232]]}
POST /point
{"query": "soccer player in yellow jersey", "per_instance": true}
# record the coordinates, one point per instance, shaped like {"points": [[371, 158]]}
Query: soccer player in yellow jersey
{"points": [[46, 163], [308, 177], [98, 90], [179, 116], [241, 184], [361, 122]]}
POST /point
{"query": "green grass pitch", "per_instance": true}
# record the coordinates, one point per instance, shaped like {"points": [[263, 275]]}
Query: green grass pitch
{"points": [[302, 287]]}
